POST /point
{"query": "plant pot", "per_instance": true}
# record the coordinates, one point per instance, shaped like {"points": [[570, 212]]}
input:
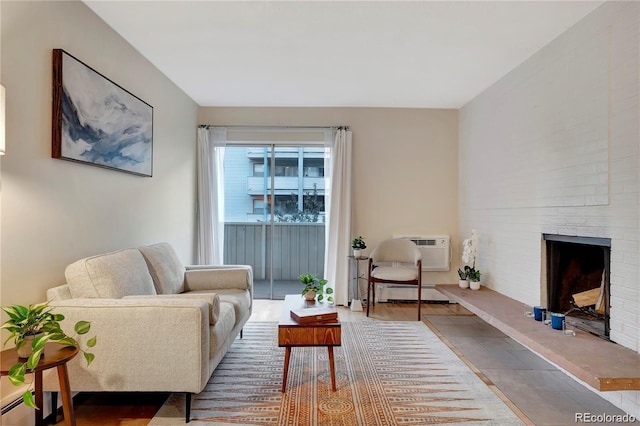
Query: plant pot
{"points": [[463, 283], [357, 253], [474, 285], [310, 295], [25, 349]]}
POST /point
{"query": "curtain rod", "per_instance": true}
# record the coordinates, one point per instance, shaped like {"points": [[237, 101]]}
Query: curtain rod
{"points": [[208, 126]]}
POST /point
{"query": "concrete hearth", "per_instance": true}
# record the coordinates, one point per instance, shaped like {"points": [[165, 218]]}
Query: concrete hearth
{"points": [[603, 365]]}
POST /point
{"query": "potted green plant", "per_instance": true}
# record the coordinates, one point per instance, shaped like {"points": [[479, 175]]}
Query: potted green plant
{"points": [[314, 288], [469, 252], [31, 328], [463, 274], [358, 244], [474, 279]]}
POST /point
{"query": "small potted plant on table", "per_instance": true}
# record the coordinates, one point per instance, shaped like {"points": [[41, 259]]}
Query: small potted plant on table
{"points": [[314, 288], [469, 252], [474, 279], [31, 328], [358, 244], [463, 274]]}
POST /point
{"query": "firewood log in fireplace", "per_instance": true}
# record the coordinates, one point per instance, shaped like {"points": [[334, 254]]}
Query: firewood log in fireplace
{"points": [[593, 297]]}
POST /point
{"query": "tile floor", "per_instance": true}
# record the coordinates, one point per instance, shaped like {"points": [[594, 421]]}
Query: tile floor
{"points": [[544, 394]]}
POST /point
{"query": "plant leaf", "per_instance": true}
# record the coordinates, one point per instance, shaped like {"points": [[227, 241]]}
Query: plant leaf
{"points": [[16, 373], [89, 357], [68, 341], [40, 340], [34, 358], [16, 381], [57, 336], [92, 342], [82, 327], [27, 397], [21, 311]]}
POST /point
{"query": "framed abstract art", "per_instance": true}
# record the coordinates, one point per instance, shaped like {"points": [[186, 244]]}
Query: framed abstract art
{"points": [[97, 122]]}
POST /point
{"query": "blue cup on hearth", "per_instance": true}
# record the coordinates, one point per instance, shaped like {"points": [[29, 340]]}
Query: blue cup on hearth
{"points": [[538, 312], [556, 321]]}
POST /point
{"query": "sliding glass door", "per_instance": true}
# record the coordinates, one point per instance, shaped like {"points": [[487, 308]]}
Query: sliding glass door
{"points": [[275, 213]]}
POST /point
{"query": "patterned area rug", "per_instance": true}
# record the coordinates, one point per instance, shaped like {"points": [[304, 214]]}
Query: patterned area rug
{"points": [[387, 373]]}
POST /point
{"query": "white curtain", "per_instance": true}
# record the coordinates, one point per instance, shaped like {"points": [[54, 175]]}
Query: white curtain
{"points": [[210, 163], [338, 227]]}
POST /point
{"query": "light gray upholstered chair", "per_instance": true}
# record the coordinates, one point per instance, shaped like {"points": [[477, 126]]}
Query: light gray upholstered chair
{"points": [[394, 261]]}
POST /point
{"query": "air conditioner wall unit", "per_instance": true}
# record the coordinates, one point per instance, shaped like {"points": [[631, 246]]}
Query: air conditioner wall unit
{"points": [[436, 250]]}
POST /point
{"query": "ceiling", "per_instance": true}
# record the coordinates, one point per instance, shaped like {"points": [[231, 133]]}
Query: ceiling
{"points": [[423, 54]]}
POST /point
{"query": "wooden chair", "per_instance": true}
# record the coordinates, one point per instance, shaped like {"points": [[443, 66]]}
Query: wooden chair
{"points": [[394, 261]]}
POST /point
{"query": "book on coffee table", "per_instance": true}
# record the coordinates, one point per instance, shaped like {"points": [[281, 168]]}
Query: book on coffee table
{"points": [[318, 315]]}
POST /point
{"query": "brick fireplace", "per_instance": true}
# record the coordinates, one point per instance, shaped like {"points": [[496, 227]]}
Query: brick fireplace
{"points": [[557, 140], [578, 280]]}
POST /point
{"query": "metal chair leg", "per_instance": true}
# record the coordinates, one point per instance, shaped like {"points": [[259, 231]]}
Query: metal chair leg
{"points": [[187, 407], [419, 301]]}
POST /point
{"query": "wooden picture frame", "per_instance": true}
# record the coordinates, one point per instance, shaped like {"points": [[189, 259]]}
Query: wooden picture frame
{"points": [[96, 121]]}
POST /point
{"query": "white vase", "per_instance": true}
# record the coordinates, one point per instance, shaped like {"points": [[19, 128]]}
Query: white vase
{"points": [[310, 295], [357, 253], [463, 283], [475, 285]]}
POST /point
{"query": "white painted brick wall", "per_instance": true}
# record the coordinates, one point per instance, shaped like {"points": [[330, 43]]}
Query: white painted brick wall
{"points": [[554, 147]]}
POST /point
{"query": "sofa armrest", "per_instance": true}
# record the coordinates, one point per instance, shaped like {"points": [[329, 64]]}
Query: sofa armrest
{"points": [[143, 344], [205, 277], [212, 299], [60, 292]]}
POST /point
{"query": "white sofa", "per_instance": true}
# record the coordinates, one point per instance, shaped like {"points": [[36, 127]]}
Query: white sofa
{"points": [[160, 326]]}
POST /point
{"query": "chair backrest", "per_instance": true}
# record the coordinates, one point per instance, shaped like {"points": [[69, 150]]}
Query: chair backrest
{"points": [[396, 250]]}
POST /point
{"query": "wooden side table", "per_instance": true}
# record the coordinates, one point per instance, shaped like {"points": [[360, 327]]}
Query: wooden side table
{"points": [[55, 355], [291, 334]]}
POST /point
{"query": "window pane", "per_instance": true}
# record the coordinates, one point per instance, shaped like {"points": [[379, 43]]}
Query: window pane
{"points": [[286, 167]]}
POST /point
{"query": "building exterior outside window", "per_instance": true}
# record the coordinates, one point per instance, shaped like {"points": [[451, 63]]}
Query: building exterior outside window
{"points": [[248, 184]]}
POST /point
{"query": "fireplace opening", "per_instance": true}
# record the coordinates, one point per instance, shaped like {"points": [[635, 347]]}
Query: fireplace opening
{"points": [[578, 281]]}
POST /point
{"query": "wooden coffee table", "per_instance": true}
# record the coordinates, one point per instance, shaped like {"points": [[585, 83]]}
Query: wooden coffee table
{"points": [[291, 334]]}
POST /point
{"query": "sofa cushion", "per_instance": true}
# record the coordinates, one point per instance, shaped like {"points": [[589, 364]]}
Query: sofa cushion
{"points": [[239, 299], [165, 268], [399, 273], [222, 329], [110, 276]]}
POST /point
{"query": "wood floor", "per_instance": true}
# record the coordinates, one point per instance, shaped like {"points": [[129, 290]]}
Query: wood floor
{"points": [[535, 390]]}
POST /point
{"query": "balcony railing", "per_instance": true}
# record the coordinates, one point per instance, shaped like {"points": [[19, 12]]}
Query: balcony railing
{"points": [[256, 184], [296, 248]]}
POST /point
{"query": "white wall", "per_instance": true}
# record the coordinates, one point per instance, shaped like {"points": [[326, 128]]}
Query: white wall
{"points": [[405, 175], [55, 211], [553, 148]]}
